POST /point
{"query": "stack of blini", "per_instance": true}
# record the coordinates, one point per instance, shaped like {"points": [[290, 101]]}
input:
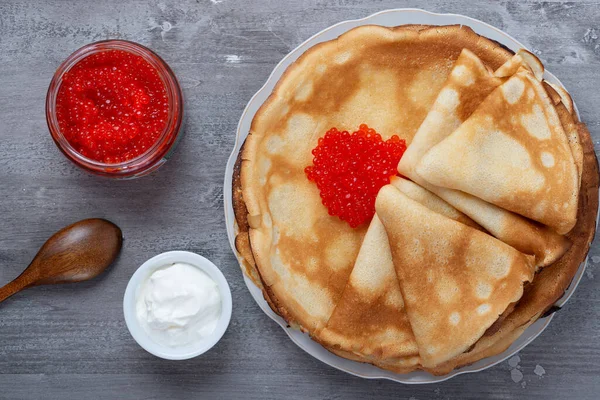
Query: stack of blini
{"points": [[476, 240]]}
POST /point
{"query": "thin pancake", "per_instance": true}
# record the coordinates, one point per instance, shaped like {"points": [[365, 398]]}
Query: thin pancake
{"points": [[453, 278], [570, 128], [444, 117], [525, 235], [522, 60], [550, 283], [242, 239], [402, 365], [569, 124], [515, 132], [469, 82], [304, 256], [565, 98], [487, 346], [369, 319]]}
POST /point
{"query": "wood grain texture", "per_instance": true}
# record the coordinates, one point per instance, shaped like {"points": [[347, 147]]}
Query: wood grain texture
{"points": [[78, 252], [71, 341]]}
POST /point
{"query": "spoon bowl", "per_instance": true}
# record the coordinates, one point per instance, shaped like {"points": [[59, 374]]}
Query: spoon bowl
{"points": [[76, 253]]}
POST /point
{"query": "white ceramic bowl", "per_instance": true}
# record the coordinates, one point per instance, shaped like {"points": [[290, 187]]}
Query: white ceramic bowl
{"points": [[129, 301], [383, 18]]}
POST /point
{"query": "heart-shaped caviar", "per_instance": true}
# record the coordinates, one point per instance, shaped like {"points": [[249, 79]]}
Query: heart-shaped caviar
{"points": [[350, 168]]}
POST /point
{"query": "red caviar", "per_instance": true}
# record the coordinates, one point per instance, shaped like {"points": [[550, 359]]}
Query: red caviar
{"points": [[349, 169], [112, 106]]}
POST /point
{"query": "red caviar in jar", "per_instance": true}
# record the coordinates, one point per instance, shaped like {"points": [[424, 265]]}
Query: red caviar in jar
{"points": [[112, 106], [350, 168]]}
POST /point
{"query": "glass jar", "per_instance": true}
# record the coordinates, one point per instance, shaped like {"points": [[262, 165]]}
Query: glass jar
{"points": [[155, 155]]}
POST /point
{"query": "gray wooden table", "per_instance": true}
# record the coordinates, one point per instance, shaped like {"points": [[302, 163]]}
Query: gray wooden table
{"points": [[71, 341]]}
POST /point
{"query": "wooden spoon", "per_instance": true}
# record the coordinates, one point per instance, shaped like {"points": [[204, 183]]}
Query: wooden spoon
{"points": [[76, 253]]}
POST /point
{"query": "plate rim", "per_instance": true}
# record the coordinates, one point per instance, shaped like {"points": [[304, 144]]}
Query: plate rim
{"points": [[299, 338]]}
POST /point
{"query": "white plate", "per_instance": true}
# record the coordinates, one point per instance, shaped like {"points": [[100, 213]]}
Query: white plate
{"points": [[384, 18]]}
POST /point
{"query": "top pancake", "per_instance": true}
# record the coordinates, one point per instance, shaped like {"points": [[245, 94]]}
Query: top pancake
{"points": [[386, 78]]}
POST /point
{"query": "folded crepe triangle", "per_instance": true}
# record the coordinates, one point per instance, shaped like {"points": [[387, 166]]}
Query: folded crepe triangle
{"points": [[523, 59], [444, 117], [469, 82], [369, 318], [514, 153], [455, 280]]}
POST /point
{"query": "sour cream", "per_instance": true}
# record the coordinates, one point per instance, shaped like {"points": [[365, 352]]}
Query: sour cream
{"points": [[178, 305]]}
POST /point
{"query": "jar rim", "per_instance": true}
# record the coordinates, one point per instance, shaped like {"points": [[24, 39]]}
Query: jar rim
{"points": [[155, 152]]}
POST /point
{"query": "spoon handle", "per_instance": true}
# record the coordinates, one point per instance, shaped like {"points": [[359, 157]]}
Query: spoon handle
{"points": [[13, 287]]}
